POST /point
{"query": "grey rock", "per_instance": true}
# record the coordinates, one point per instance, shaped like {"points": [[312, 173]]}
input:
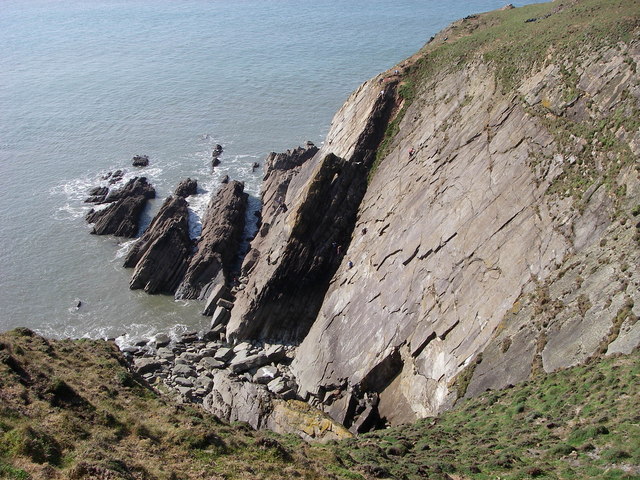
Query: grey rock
{"points": [[219, 242], [186, 392], [165, 353], [224, 354], [186, 188], [191, 357], [220, 316], [140, 161], [218, 291], [146, 365], [266, 374], [161, 340], [244, 361], [210, 363], [159, 257], [185, 382], [184, 370], [278, 385]]}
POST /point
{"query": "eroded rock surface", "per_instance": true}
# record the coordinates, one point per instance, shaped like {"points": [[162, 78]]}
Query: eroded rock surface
{"points": [[160, 256], [122, 216], [306, 226], [450, 237], [218, 244]]}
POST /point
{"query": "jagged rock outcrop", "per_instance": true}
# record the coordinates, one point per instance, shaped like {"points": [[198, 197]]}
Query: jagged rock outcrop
{"points": [[306, 228], [186, 188], [160, 256], [218, 244], [140, 161], [122, 217], [512, 176]]}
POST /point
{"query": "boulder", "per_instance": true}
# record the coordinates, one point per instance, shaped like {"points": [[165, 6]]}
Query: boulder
{"points": [[140, 160], [219, 291], [278, 385], [137, 186], [224, 354], [222, 229], [244, 361], [266, 374], [186, 187], [184, 371], [210, 363], [160, 256], [161, 340], [147, 365], [220, 316]]}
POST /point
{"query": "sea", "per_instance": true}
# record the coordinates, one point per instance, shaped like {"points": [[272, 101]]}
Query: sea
{"points": [[87, 84]]}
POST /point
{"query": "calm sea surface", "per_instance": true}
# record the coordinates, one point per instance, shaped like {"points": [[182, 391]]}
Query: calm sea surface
{"points": [[85, 85]]}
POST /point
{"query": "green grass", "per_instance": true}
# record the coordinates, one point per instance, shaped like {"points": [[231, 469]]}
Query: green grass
{"points": [[575, 423]]}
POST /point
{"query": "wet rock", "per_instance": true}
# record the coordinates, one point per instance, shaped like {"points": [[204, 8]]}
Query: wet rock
{"points": [[122, 217], [159, 258], [225, 179], [222, 229], [186, 188], [140, 160], [161, 340], [97, 195]]}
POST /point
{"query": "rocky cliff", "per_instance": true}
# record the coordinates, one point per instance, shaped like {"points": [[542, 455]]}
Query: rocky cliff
{"points": [[470, 221]]}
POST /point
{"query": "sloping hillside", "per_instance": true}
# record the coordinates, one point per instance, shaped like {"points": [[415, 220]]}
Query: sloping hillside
{"points": [[71, 409]]}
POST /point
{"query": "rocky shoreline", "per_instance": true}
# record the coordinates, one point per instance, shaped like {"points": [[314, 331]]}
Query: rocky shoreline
{"points": [[247, 382]]}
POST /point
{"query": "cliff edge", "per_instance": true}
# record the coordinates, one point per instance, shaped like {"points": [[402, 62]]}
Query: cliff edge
{"points": [[470, 221]]}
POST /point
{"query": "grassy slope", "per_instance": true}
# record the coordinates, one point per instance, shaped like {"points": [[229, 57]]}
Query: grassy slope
{"points": [[562, 33], [71, 409], [578, 423]]}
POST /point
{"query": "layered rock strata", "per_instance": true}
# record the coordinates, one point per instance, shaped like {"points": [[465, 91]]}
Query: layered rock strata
{"points": [[458, 231], [122, 216], [307, 225], [484, 193], [218, 244], [160, 257]]}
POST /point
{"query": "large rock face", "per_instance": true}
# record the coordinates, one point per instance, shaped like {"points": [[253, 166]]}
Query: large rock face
{"points": [[449, 278], [122, 216], [160, 256], [306, 230], [219, 242]]}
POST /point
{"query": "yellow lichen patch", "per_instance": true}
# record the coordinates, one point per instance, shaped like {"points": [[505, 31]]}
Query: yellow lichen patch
{"points": [[294, 416]]}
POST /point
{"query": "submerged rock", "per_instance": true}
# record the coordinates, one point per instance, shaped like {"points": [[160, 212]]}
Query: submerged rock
{"points": [[186, 188], [140, 160]]}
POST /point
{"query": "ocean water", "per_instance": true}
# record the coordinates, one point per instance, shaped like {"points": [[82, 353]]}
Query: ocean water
{"points": [[85, 85]]}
